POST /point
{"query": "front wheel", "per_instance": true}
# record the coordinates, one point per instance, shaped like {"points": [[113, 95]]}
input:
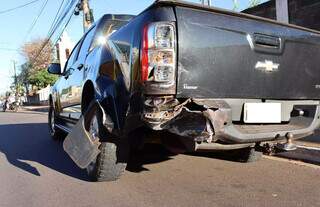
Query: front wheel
{"points": [[55, 132], [111, 162]]}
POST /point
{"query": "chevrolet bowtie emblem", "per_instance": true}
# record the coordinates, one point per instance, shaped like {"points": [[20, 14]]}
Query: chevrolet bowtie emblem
{"points": [[267, 66]]}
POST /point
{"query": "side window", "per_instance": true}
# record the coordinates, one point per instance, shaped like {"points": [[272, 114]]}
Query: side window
{"points": [[86, 44], [73, 56]]}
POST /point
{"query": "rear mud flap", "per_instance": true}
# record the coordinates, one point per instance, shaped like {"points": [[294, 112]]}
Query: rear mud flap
{"points": [[80, 147]]}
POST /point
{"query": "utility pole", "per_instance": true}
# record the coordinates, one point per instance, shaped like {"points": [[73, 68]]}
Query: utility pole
{"points": [[15, 75], [206, 2], [87, 14], [282, 11]]}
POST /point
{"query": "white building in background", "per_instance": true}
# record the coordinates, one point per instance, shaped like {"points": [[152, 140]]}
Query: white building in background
{"points": [[44, 93], [64, 47]]}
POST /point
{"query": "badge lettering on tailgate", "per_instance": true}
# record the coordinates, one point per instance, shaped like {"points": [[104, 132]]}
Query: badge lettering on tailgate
{"points": [[267, 66]]}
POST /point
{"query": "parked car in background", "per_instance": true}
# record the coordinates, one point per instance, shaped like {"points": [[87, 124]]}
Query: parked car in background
{"points": [[216, 79]]}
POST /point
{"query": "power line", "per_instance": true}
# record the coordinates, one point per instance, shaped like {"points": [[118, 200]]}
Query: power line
{"points": [[55, 25], [17, 7], [61, 18], [68, 21], [55, 18], [36, 19]]}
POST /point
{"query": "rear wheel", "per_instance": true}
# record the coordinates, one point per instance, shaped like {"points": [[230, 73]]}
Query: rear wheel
{"points": [[111, 162]]}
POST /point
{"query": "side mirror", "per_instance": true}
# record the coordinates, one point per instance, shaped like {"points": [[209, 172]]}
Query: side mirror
{"points": [[55, 68]]}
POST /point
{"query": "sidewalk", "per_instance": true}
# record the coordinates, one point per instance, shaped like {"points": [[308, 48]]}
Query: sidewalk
{"points": [[36, 108]]}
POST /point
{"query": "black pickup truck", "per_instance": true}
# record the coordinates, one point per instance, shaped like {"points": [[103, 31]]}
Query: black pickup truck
{"points": [[215, 79]]}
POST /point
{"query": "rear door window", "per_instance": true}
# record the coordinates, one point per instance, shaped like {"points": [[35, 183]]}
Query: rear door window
{"points": [[86, 45], [73, 57]]}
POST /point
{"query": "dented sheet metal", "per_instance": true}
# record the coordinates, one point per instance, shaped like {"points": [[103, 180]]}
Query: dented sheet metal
{"points": [[80, 147], [190, 124]]}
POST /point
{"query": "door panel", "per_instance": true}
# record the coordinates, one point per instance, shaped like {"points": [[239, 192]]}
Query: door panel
{"points": [[73, 89], [65, 89]]}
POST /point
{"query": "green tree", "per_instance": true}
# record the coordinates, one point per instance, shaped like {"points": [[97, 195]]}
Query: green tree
{"points": [[42, 78], [34, 71], [22, 78]]}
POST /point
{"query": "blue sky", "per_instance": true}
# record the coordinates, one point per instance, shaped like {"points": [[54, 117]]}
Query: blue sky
{"points": [[15, 25]]}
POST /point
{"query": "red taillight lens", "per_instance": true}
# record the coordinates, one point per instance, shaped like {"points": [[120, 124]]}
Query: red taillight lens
{"points": [[158, 53], [144, 58]]}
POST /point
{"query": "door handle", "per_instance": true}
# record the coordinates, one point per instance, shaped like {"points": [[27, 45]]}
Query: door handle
{"points": [[266, 41], [80, 66]]}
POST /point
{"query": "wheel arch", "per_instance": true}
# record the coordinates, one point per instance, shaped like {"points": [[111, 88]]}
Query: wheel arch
{"points": [[87, 96]]}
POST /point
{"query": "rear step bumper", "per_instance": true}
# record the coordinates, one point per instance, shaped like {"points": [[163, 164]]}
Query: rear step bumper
{"points": [[299, 128], [215, 125], [234, 135]]}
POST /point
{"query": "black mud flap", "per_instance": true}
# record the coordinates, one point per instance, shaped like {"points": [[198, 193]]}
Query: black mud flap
{"points": [[80, 147]]}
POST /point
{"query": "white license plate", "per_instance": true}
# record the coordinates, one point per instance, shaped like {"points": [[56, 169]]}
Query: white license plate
{"points": [[262, 113]]}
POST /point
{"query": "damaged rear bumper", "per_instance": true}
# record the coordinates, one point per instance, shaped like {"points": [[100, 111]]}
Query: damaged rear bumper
{"points": [[210, 121]]}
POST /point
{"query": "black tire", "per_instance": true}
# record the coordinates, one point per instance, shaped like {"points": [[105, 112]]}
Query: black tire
{"points": [[107, 167], [112, 160], [55, 132], [249, 155]]}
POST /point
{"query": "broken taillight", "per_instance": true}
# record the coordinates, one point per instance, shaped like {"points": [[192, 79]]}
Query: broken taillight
{"points": [[158, 54]]}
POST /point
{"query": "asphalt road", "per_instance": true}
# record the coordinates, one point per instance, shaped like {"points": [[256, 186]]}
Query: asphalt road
{"points": [[35, 171]]}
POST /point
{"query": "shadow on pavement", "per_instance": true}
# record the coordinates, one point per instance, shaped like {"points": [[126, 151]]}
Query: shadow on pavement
{"points": [[304, 155], [228, 155], [151, 153], [155, 153], [31, 142]]}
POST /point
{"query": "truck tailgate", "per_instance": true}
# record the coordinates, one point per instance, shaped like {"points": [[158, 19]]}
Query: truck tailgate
{"points": [[228, 56]]}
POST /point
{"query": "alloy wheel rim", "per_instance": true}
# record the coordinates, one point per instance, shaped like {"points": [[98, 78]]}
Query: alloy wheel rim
{"points": [[93, 132], [52, 124]]}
